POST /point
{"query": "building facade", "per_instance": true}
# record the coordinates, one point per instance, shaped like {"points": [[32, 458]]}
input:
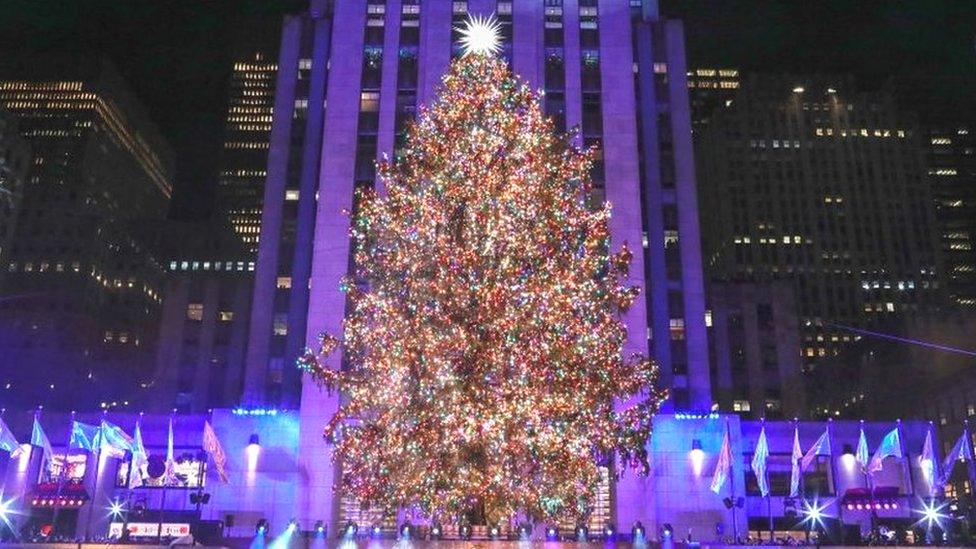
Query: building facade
{"points": [[344, 95], [808, 180], [244, 158], [755, 346], [15, 162], [81, 293], [951, 163], [267, 482]]}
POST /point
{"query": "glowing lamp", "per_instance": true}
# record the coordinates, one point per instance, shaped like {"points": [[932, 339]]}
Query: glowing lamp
{"points": [[552, 534], [609, 531], [261, 528], [292, 525], [799, 89], [320, 528], [377, 531], [465, 531], [350, 530], [667, 530], [253, 450], [847, 459], [638, 531], [697, 456], [436, 531], [494, 531], [582, 532]]}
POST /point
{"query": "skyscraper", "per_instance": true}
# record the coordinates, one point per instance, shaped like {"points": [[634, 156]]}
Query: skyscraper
{"points": [[951, 164], [81, 292], [244, 158], [15, 162], [352, 75], [807, 179]]}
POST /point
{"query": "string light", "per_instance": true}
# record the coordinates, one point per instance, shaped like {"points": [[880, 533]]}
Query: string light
{"points": [[483, 345]]}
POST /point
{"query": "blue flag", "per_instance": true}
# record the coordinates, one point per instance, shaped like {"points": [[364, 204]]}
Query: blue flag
{"points": [[39, 439], [759, 463], [819, 448], [890, 447], [83, 436], [8, 441], [113, 441], [962, 451]]}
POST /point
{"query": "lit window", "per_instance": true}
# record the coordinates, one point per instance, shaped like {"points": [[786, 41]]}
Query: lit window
{"points": [[291, 195], [194, 311], [284, 282], [226, 316], [741, 406], [281, 324]]}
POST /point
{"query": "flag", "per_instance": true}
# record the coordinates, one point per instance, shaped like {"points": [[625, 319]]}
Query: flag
{"points": [[890, 447], [861, 457], [8, 441], [759, 463], [216, 451], [926, 461], [724, 466], [962, 451], [170, 476], [83, 436], [819, 448], [140, 459], [38, 438], [795, 458], [113, 441]]}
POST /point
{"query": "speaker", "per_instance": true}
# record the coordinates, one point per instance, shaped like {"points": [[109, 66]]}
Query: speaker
{"points": [[208, 532]]}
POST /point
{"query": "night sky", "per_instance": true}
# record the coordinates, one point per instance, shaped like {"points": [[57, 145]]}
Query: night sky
{"points": [[177, 54]]}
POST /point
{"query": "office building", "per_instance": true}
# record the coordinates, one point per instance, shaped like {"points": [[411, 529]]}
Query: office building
{"points": [[809, 180], [244, 157], [951, 164], [755, 346], [709, 89], [15, 161], [202, 337], [81, 293]]}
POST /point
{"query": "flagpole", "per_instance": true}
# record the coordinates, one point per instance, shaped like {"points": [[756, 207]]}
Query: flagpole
{"points": [[833, 475], [869, 481], [98, 466], [166, 479], [937, 489], [905, 458], [735, 527], [970, 465], [769, 491], [64, 470]]}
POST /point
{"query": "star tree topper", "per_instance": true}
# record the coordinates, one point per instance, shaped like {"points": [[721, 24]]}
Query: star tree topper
{"points": [[480, 35]]}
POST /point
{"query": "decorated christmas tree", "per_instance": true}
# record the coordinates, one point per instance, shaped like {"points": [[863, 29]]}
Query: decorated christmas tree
{"points": [[483, 345]]}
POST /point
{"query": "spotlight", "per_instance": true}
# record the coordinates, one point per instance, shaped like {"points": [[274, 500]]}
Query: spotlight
{"points": [[494, 532], [253, 450], [319, 528], [697, 456], [637, 532], [847, 459], [376, 531], [349, 531], [406, 530], [292, 525], [813, 513], [860, 506], [436, 531], [465, 531], [261, 528], [798, 89], [524, 531], [552, 534], [582, 532], [667, 530], [609, 531]]}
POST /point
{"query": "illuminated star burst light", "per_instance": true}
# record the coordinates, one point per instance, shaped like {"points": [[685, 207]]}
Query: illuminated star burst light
{"points": [[932, 514], [480, 35]]}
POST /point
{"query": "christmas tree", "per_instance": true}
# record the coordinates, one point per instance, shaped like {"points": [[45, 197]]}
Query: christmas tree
{"points": [[483, 344]]}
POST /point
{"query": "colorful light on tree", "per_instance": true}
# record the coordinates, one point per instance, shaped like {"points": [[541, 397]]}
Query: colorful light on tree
{"points": [[483, 340]]}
